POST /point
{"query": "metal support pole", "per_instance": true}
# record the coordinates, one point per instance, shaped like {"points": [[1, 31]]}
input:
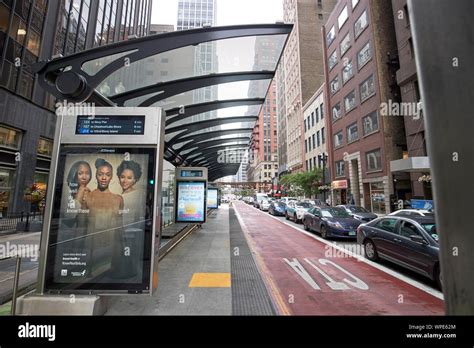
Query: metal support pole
{"points": [[15, 284], [443, 40]]}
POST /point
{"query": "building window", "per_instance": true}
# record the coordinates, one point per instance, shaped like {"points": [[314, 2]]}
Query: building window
{"points": [[347, 72], [320, 16], [305, 127], [342, 17], [336, 112], [309, 144], [360, 24], [45, 147], [339, 168], [10, 138], [338, 139], [34, 43], [321, 108], [317, 114], [306, 146], [367, 88], [350, 101], [314, 141], [412, 48], [331, 35], [318, 139], [323, 136], [352, 134], [345, 44], [374, 160], [7, 179], [354, 3], [370, 123], [332, 61], [312, 118], [335, 85], [364, 55]]}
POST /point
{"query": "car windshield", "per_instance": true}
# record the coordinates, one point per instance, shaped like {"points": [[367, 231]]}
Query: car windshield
{"points": [[356, 209], [304, 205], [280, 204], [335, 212], [431, 229]]}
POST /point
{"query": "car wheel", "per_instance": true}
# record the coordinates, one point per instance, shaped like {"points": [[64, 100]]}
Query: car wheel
{"points": [[438, 277], [370, 250], [306, 228], [324, 233], [286, 216]]}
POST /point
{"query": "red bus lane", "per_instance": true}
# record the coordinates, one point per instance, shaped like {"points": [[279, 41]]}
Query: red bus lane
{"points": [[308, 277]]}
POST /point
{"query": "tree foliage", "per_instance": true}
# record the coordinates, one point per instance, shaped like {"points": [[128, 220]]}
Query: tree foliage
{"points": [[304, 183]]}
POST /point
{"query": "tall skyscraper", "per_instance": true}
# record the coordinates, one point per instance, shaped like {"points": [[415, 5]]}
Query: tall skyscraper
{"points": [[197, 14], [264, 165], [32, 31]]}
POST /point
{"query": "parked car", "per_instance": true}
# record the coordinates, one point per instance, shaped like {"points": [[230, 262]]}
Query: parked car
{"points": [[257, 199], [296, 210], [319, 203], [264, 204], [411, 242], [288, 199], [413, 212], [277, 208], [331, 222], [248, 200], [359, 213]]}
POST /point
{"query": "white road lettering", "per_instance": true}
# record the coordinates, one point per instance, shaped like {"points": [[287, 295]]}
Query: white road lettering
{"points": [[298, 268]]}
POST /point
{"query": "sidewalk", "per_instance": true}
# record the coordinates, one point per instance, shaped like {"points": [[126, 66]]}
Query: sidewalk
{"points": [[193, 279]]}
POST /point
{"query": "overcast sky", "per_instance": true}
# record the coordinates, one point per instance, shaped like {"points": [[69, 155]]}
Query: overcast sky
{"points": [[229, 12]]}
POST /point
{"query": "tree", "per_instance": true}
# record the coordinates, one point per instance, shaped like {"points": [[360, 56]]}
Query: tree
{"points": [[304, 183]]}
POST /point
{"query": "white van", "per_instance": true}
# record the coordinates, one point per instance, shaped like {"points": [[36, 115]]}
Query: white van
{"points": [[258, 198]]}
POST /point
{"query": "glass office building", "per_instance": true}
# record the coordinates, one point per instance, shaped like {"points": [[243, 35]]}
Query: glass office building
{"points": [[32, 31]]}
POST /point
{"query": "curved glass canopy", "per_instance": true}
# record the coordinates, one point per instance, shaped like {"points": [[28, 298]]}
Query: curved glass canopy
{"points": [[211, 82]]}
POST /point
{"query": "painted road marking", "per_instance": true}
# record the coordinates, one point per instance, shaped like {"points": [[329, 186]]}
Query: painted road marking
{"points": [[412, 282], [334, 285], [210, 280]]}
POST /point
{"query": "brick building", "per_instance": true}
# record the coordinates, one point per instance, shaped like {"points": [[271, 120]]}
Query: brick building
{"points": [[360, 75]]}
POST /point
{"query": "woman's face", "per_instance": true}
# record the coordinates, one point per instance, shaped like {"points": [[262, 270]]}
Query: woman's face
{"points": [[103, 176], [83, 175], [127, 179]]}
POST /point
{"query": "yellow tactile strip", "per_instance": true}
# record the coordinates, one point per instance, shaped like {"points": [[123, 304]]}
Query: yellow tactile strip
{"points": [[210, 280]]}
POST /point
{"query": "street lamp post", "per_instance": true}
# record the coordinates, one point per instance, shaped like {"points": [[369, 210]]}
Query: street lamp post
{"points": [[322, 157]]}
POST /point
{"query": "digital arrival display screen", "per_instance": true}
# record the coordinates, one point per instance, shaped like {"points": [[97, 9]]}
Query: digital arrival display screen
{"points": [[110, 125], [191, 173]]}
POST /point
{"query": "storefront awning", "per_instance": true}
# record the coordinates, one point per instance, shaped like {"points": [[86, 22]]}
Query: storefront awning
{"points": [[211, 82], [411, 164]]}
